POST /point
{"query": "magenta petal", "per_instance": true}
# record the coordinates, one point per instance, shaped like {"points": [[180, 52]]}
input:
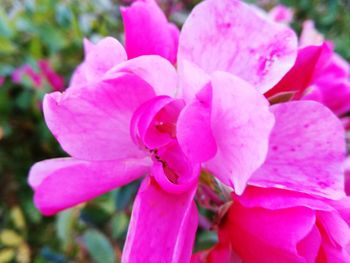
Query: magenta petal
{"points": [[143, 122], [173, 171], [333, 82], [306, 138], [229, 35], [62, 183], [162, 226], [147, 31], [265, 236], [194, 128], [99, 58], [88, 46], [191, 79], [275, 199], [155, 70], [93, 123], [241, 124], [300, 76]]}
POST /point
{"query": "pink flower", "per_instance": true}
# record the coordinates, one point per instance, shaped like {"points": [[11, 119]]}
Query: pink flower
{"points": [[38, 77], [28, 72], [125, 125], [56, 81], [273, 225], [2, 80], [268, 53], [123, 119]]}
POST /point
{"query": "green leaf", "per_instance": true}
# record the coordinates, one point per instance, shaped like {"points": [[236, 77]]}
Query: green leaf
{"points": [[64, 227], [120, 224], [6, 46], [100, 249]]}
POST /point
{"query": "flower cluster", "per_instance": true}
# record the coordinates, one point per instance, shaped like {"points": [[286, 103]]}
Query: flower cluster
{"points": [[233, 96]]}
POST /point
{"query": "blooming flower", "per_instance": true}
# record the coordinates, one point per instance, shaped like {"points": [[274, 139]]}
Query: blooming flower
{"points": [[273, 225], [121, 119]]}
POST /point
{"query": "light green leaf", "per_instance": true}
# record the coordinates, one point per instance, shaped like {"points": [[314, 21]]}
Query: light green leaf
{"points": [[100, 249]]}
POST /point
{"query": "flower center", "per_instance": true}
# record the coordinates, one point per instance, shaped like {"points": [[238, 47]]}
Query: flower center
{"points": [[153, 127]]}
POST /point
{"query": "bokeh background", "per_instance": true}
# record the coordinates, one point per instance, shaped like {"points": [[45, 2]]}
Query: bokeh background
{"points": [[40, 45]]}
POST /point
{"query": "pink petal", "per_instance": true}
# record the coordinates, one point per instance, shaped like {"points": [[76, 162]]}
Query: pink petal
{"points": [[336, 236], [265, 236], [153, 124], [231, 36], [335, 228], [332, 81], [306, 137], [99, 58], [147, 31], [88, 46], [221, 252], [275, 198], [309, 35], [241, 123], [335, 94], [191, 79], [62, 183], [299, 78], [173, 171], [155, 70], [194, 132], [93, 122], [310, 245], [347, 176], [162, 226]]}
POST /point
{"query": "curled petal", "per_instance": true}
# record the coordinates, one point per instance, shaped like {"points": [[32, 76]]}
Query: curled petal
{"points": [[62, 183], [173, 171], [154, 123], [306, 151], [162, 226], [229, 35]]}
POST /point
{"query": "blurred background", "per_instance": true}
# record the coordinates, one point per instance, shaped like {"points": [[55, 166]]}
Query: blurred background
{"points": [[40, 45]]}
